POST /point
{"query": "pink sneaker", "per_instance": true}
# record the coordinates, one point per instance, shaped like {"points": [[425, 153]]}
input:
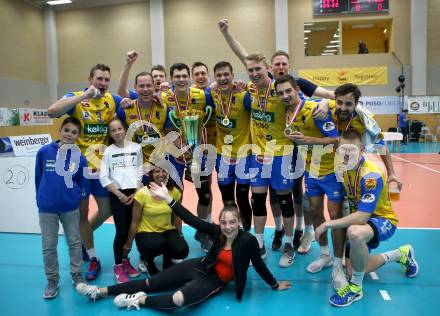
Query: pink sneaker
{"points": [[129, 269], [120, 275]]}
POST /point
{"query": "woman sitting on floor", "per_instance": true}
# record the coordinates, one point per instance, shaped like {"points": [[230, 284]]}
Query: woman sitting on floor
{"points": [[195, 280]]}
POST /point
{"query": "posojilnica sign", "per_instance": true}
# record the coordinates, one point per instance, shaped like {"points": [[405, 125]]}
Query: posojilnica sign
{"points": [[338, 76]]}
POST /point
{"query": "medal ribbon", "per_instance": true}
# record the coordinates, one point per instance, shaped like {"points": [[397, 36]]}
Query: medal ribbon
{"points": [[225, 114], [266, 96], [291, 118], [139, 114], [187, 100]]}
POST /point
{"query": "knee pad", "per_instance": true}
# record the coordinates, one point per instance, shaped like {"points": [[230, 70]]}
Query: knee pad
{"points": [[286, 204], [259, 204], [204, 193], [227, 192]]}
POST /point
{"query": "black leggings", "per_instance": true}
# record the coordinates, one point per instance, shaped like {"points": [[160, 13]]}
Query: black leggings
{"points": [[122, 218], [169, 243], [195, 286], [242, 198]]}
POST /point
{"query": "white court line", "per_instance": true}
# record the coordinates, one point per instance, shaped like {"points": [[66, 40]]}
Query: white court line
{"points": [[374, 276], [420, 228], [385, 295], [417, 164]]}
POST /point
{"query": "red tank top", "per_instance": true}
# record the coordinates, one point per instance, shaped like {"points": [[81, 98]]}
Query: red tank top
{"points": [[223, 266]]}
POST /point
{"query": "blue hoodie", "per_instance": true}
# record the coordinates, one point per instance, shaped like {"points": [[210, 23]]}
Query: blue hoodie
{"points": [[53, 194]]}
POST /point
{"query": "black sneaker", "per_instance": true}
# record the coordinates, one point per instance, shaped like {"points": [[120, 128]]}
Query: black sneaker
{"points": [[297, 238], [277, 239], [263, 252]]}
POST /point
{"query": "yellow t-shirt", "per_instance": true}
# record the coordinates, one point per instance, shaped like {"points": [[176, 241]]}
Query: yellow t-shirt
{"points": [[156, 214], [94, 115], [268, 125], [158, 118], [238, 130], [319, 160], [369, 192]]}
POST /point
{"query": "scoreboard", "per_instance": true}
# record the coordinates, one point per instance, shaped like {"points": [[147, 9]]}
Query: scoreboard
{"points": [[327, 7]]}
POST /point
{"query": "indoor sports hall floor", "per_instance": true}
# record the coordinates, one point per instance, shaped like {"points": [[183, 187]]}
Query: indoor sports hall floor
{"points": [[387, 292]]}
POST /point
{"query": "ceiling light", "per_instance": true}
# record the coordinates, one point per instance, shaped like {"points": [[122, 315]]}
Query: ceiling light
{"points": [[55, 2], [335, 41], [307, 31], [362, 26]]}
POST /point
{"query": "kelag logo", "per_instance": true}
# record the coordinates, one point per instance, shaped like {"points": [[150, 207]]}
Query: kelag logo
{"points": [[267, 117], [95, 129]]}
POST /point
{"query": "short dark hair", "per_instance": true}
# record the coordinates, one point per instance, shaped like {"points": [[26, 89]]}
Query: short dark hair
{"points": [[223, 64], [141, 74], [72, 120], [198, 64], [159, 68], [279, 53], [286, 78], [178, 66], [101, 67], [352, 134], [348, 88]]}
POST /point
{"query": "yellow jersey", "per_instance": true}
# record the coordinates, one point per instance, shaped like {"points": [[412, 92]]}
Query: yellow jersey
{"points": [[319, 159], [367, 191], [231, 137], [198, 99], [268, 122], [94, 115], [156, 115]]}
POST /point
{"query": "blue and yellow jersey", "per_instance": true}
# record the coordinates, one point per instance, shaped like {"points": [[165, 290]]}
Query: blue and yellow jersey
{"points": [[159, 118], [319, 159], [371, 188], [199, 99], [94, 115], [232, 137], [268, 126]]}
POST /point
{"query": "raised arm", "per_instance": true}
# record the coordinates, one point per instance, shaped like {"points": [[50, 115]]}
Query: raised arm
{"points": [[66, 103], [235, 45], [182, 212], [123, 80]]}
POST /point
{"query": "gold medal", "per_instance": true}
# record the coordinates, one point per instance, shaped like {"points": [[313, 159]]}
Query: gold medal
{"points": [[225, 121]]}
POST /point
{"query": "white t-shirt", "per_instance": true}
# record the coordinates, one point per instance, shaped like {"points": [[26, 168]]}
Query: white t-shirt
{"points": [[122, 166]]}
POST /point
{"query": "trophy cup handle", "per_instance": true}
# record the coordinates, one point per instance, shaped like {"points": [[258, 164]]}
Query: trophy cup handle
{"points": [[174, 120], [208, 112]]}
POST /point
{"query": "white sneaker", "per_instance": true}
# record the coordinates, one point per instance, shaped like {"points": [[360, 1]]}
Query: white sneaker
{"points": [[129, 300], [176, 261], [324, 261], [142, 266], [287, 257], [306, 243], [339, 279], [88, 290]]}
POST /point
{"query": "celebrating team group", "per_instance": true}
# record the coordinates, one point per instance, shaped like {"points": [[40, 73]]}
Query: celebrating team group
{"points": [[268, 137]]}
